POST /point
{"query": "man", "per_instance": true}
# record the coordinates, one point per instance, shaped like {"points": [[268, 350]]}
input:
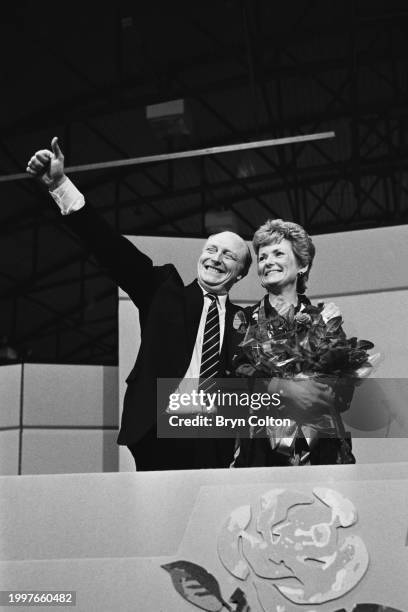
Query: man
{"points": [[174, 320]]}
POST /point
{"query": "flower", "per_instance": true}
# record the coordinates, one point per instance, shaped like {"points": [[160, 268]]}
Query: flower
{"points": [[302, 318], [304, 342], [330, 311], [299, 544]]}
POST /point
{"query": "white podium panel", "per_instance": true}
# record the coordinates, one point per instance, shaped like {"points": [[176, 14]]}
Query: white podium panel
{"points": [[106, 536]]}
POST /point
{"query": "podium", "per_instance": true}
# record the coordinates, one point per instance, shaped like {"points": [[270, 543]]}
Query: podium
{"points": [[106, 536]]}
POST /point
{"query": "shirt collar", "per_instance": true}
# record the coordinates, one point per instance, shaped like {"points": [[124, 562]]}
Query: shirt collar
{"points": [[222, 299]]}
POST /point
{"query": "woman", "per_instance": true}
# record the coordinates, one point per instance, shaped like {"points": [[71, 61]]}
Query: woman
{"points": [[285, 254]]}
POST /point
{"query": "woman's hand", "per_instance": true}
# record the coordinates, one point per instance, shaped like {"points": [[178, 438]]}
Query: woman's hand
{"points": [[304, 399]]}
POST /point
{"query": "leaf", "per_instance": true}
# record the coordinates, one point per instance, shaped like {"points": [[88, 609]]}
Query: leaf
{"points": [[334, 324], [290, 316], [196, 585], [364, 345], [305, 343]]}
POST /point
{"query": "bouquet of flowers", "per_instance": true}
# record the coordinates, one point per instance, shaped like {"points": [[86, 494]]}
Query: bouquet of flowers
{"points": [[306, 344], [311, 341]]}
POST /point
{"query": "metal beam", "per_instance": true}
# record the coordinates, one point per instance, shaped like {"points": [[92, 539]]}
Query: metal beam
{"points": [[162, 157]]}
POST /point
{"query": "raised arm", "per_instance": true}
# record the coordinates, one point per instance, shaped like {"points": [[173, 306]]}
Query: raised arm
{"points": [[128, 267]]}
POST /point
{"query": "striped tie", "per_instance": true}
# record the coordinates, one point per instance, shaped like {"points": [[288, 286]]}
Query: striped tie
{"points": [[210, 356]]}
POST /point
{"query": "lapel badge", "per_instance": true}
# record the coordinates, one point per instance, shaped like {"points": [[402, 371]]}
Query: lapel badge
{"points": [[239, 322]]}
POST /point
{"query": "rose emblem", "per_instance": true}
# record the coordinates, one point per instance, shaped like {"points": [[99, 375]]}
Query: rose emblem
{"points": [[299, 544]]}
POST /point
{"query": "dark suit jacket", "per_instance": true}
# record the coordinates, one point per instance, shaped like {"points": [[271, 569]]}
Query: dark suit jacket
{"points": [[169, 315]]}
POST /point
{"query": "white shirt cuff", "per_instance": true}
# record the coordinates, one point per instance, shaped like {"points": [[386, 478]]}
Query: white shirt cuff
{"points": [[68, 197]]}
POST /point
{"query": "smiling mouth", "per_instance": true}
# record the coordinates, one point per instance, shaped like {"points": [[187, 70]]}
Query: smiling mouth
{"points": [[218, 270], [271, 271]]}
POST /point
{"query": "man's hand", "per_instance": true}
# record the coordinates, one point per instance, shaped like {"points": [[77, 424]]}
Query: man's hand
{"points": [[48, 165]]}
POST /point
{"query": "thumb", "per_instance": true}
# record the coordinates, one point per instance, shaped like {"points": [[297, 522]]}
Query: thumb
{"points": [[56, 149]]}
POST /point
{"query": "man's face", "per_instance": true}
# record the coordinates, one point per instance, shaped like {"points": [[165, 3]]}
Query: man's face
{"points": [[221, 262]]}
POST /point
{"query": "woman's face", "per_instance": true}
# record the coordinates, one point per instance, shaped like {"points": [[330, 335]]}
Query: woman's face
{"points": [[278, 266]]}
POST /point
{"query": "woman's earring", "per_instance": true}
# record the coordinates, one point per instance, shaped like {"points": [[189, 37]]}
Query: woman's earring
{"points": [[301, 274]]}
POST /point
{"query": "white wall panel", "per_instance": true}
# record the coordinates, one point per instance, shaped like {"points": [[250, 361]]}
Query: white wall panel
{"points": [[9, 445], [347, 262], [381, 318], [65, 451], [70, 395], [380, 450], [10, 393], [57, 402]]}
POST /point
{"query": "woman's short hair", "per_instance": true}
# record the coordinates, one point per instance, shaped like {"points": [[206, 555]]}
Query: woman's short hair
{"points": [[275, 230]]}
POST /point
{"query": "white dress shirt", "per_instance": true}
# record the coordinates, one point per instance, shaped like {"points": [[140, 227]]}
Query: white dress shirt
{"points": [[68, 197], [193, 370]]}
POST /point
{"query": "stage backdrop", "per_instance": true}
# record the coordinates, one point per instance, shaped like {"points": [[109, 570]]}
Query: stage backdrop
{"points": [[58, 419], [364, 272]]}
